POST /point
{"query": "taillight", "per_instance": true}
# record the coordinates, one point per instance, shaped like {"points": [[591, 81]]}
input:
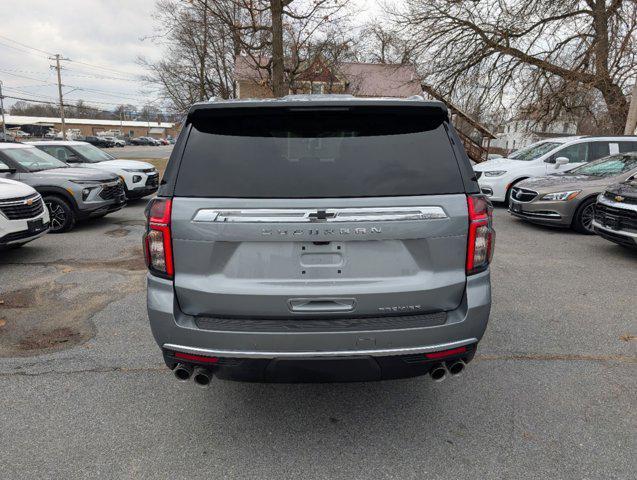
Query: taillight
{"points": [[481, 238], [157, 239]]}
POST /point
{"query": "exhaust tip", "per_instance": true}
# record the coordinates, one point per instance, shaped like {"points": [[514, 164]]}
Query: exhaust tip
{"points": [[182, 372], [202, 377], [456, 368], [438, 373]]}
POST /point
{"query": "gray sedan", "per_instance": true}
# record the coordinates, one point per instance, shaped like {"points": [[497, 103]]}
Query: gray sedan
{"points": [[568, 199]]}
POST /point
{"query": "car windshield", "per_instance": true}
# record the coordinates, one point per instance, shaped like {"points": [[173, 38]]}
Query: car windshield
{"points": [[604, 167], [92, 154], [33, 159], [534, 151]]}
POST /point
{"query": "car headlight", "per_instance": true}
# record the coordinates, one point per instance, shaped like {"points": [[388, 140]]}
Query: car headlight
{"points": [[495, 173], [133, 170], [570, 195]]}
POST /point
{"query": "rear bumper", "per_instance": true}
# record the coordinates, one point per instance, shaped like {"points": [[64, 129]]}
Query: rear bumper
{"points": [[320, 369], [176, 332]]}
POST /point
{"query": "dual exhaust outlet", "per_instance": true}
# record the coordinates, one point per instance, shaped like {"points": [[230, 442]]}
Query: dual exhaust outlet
{"points": [[439, 372], [201, 376]]}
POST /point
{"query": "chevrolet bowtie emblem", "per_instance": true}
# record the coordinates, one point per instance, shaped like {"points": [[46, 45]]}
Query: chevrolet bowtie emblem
{"points": [[619, 198], [29, 202]]}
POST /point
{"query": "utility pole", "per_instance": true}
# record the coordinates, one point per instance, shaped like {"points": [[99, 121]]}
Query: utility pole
{"points": [[631, 119], [57, 67], [4, 124]]}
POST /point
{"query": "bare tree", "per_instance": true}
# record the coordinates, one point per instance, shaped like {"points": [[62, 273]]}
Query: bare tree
{"points": [[277, 35], [385, 45], [527, 51], [199, 52]]}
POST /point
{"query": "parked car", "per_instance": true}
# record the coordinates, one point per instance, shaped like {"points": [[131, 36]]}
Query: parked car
{"points": [[20, 134], [102, 142], [316, 239], [140, 178], [616, 213], [140, 141], [556, 155], [7, 137], [23, 217], [163, 141], [116, 141], [153, 141], [568, 200], [71, 194]]}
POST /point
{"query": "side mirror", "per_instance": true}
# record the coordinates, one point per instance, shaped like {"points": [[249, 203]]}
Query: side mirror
{"points": [[7, 170], [561, 161]]}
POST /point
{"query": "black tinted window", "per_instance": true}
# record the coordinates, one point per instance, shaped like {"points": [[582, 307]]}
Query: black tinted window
{"points": [[625, 147], [329, 153], [575, 153], [598, 150]]}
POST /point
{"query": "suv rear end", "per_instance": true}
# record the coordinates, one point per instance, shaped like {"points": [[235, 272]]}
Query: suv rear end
{"points": [[318, 240]]}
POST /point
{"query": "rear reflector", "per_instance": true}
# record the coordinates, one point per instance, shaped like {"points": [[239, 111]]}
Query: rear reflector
{"points": [[195, 358], [446, 353]]}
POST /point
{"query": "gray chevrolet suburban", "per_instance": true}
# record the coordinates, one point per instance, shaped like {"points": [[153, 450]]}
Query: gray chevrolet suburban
{"points": [[322, 238]]}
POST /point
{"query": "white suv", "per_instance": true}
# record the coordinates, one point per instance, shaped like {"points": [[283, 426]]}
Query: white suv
{"points": [[553, 155], [140, 178], [22, 214]]}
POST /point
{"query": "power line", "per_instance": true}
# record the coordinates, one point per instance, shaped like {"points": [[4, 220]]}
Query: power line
{"points": [[22, 50], [26, 46], [99, 67], [90, 65], [28, 78], [123, 96]]}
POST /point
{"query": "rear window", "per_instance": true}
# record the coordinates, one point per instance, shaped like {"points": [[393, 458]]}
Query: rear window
{"points": [[320, 153]]}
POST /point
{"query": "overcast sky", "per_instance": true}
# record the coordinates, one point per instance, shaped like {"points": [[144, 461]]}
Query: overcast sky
{"points": [[104, 33]]}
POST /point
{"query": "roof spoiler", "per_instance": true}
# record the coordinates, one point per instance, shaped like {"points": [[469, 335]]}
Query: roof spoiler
{"points": [[200, 111]]}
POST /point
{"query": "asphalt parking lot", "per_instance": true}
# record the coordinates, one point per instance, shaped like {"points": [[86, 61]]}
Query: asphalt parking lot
{"points": [[84, 393]]}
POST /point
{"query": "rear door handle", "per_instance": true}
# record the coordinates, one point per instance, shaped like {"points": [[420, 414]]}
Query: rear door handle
{"points": [[317, 305]]}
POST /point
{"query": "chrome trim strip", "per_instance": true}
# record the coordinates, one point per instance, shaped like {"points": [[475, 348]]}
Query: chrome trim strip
{"points": [[23, 201], [329, 215], [611, 203], [526, 191], [340, 353], [527, 213], [616, 232]]}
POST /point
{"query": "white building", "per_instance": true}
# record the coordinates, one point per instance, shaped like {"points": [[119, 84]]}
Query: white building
{"points": [[519, 133]]}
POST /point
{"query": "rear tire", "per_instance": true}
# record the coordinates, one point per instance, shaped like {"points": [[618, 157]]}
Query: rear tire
{"points": [[61, 213], [583, 218]]}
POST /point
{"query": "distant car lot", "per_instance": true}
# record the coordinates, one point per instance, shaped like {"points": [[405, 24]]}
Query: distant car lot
{"points": [[141, 151], [554, 374]]}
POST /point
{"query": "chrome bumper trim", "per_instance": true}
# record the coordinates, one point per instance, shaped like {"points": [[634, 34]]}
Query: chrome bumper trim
{"points": [[616, 232], [340, 353], [526, 213]]}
